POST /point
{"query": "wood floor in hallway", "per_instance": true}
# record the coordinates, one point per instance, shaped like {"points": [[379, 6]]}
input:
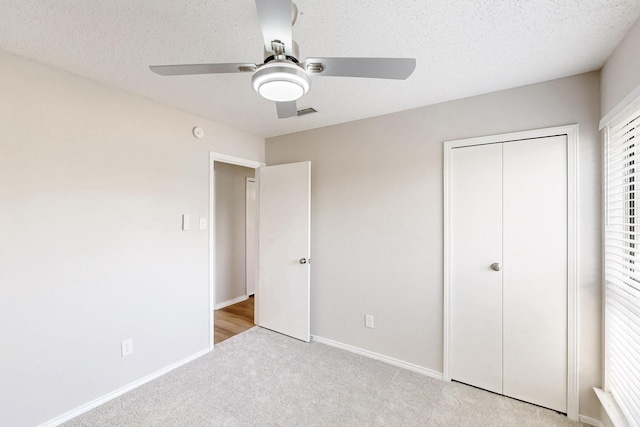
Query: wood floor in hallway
{"points": [[232, 320]]}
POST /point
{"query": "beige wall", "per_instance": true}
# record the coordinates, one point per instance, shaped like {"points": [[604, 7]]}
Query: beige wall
{"points": [[93, 183], [377, 217], [230, 205], [621, 72]]}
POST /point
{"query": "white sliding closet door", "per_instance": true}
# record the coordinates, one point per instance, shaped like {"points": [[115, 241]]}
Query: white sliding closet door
{"points": [[477, 241], [535, 271], [509, 321]]}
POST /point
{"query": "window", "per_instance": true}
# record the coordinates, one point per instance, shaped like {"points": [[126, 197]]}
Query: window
{"points": [[622, 264]]}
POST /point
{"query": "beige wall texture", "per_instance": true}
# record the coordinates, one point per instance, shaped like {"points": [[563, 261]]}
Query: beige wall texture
{"points": [[621, 73], [230, 203], [93, 183], [377, 217]]}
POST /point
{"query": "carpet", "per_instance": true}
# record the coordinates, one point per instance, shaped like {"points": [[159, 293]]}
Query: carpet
{"points": [[262, 378]]}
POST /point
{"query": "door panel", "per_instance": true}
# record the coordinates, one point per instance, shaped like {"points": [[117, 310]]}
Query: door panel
{"points": [[284, 235], [535, 271], [476, 292]]}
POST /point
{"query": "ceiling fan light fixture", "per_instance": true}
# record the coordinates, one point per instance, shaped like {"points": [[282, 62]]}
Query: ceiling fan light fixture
{"points": [[281, 81]]}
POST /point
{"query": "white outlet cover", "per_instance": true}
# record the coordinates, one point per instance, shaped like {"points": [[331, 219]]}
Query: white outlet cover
{"points": [[127, 347]]}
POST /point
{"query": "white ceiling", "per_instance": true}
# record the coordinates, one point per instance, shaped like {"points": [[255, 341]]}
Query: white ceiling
{"points": [[463, 48]]}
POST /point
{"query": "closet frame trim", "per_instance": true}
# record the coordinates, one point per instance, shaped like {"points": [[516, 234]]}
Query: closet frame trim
{"points": [[573, 362]]}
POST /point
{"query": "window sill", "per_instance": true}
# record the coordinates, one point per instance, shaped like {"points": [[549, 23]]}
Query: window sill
{"points": [[611, 408]]}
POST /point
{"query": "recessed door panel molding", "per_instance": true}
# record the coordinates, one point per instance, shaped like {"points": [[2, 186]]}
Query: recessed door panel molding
{"points": [[477, 199], [535, 271], [537, 266]]}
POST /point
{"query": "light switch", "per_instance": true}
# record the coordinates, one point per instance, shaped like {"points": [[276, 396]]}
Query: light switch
{"points": [[368, 321], [185, 222], [203, 223]]}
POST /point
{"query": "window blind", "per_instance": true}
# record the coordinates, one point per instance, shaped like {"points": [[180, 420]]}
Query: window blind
{"points": [[622, 264]]}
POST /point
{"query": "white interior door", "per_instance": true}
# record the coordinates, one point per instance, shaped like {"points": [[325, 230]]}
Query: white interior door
{"points": [[476, 236], [250, 236], [284, 248], [535, 271], [509, 325]]}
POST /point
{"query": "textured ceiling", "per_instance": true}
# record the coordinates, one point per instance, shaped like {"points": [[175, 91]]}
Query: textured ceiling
{"points": [[463, 48]]}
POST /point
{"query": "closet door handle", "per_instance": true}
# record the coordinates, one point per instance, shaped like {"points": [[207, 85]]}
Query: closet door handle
{"points": [[496, 266]]}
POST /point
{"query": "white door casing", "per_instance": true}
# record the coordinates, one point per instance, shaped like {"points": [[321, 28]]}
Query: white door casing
{"points": [[251, 239], [570, 132], [284, 200]]}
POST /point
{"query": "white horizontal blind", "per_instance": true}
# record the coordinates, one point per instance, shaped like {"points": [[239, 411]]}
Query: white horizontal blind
{"points": [[622, 265]]}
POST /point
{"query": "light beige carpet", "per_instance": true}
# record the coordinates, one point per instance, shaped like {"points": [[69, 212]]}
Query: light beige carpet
{"points": [[261, 378]]}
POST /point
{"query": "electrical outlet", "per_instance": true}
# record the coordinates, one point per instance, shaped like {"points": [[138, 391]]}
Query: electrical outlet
{"points": [[368, 320], [127, 347]]}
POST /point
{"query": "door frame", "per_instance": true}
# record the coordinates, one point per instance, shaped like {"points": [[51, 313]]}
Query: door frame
{"points": [[224, 158], [571, 132], [255, 229]]}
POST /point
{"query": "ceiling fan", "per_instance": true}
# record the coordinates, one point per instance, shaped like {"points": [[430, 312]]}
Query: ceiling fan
{"points": [[282, 77]]}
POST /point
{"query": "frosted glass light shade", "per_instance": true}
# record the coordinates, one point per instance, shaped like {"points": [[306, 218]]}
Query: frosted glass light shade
{"points": [[281, 81]]}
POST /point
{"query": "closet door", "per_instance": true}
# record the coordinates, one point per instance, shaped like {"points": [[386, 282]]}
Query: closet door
{"points": [[509, 324], [535, 271], [476, 236]]}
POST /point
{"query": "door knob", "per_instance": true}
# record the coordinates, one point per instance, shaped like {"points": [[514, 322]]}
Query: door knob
{"points": [[496, 266], [303, 261]]}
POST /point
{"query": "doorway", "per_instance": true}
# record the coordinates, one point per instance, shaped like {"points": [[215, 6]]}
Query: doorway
{"points": [[282, 294], [235, 218], [232, 309]]}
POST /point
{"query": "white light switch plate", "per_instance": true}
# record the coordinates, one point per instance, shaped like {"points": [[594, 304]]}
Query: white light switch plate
{"points": [[185, 222], [203, 223], [368, 321]]}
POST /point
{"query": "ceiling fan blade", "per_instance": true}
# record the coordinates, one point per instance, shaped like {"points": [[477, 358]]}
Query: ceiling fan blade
{"points": [[187, 69], [276, 22], [377, 68], [287, 109]]}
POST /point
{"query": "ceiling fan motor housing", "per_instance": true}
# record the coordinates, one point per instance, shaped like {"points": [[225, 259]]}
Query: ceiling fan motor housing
{"points": [[272, 55]]}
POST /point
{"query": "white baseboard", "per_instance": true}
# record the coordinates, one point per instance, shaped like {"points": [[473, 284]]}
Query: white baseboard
{"points": [[589, 421], [118, 392], [230, 302], [380, 357]]}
